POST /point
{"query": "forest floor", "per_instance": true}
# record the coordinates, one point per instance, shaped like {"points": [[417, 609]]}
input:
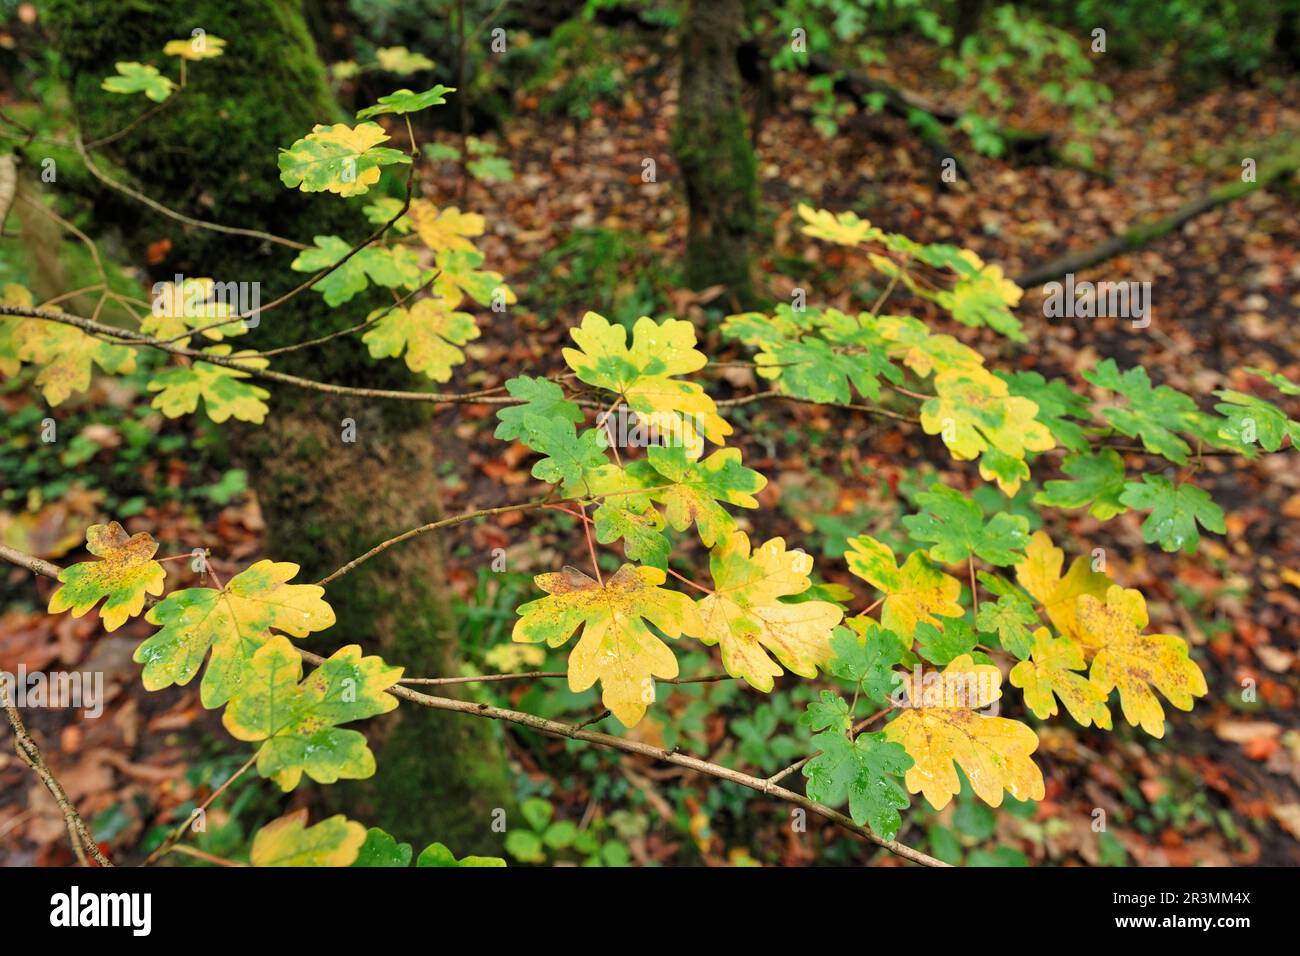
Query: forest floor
{"points": [[1221, 788]]}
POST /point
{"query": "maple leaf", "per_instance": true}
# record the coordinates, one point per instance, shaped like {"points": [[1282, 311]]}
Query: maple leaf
{"points": [[124, 575], [642, 374], [407, 101], [382, 850], [400, 60], [846, 228], [223, 389], [1251, 420], [1051, 673], [338, 159], [746, 617], [298, 722], [459, 275], [429, 332], [941, 729], [435, 854], [697, 487], [178, 307], [974, 412], [203, 46], [569, 457], [12, 294], [916, 592], [1175, 512], [924, 352], [66, 355], [389, 266], [445, 229], [865, 655], [234, 622], [627, 512], [1057, 404], [943, 645], [956, 526], [1152, 414], [984, 297], [541, 399], [828, 710], [1097, 483], [139, 78], [288, 841], [616, 647], [865, 772], [1040, 574], [1013, 619], [1135, 662]]}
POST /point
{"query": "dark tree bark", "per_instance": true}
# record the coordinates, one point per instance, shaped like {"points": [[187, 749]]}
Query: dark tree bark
{"points": [[714, 151], [212, 154]]}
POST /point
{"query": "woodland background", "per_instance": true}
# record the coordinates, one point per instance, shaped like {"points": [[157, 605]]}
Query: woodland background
{"points": [[1059, 150]]}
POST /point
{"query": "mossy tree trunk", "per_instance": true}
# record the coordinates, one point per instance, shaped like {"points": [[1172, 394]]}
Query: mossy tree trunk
{"points": [[212, 154], [714, 151]]}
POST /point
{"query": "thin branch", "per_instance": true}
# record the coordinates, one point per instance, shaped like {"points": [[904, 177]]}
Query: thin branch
{"points": [[83, 841]]}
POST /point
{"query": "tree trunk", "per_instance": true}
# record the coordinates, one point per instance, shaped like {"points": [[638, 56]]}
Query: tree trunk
{"points": [[714, 151], [212, 154]]}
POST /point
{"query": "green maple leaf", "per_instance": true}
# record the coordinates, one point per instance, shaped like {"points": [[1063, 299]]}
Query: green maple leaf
{"points": [[223, 389], [697, 487], [339, 159], [435, 854], [1012, 618], [829, 710], [406, 101], [864, 771], [626, 511], [389, 266], [288, 841], [955, 525], [541, 399], [569, 458], [1153, 414], [943, 646], [1097, 482], [139, 78], [1252, 421], [428, 332], [868, 659], [234, 622], [381, 850], [1057, 404], [1175, 512], [297, 722]]}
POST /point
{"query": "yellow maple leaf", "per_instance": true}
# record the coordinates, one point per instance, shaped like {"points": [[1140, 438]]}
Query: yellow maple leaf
{"points": [[915, 592], [1135, 662], [941, 729], [447, 228], [616, 647], [125, 573], [1040, 575], [747, 618], [1052, 671], [67, 354]]}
